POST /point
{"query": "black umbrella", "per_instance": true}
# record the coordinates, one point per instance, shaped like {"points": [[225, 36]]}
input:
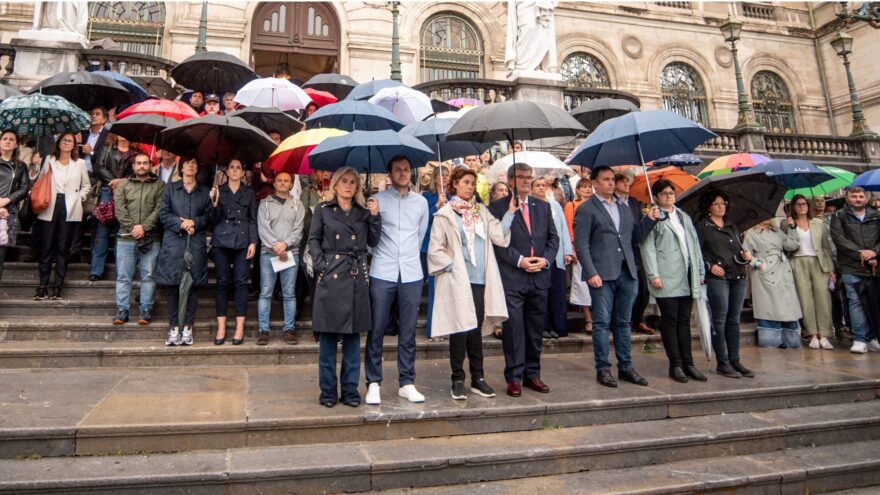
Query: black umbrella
{"points": [[754, 197], [514, 120], [142, 127], [213, 72], [337, 84], [591, 113], [215, 139], [156, 86], [269, 119], [441, 106], [433, 131], [86, 90]]}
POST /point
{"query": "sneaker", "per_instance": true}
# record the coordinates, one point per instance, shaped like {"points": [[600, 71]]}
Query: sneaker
{"points": [[94, 278], [481, 388], [858, 347], [56, 294], [173, 337], [373, 398], [458, 391], [873, 345], [263, 338], [186, 338], [410, 393], [545, 335], [121, 317], [814, 343], [845, 334], [823, 342], [41, 294], [145, 317]]}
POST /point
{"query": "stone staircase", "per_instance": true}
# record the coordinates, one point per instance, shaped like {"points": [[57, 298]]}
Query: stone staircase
{"points": [[87, 407]]}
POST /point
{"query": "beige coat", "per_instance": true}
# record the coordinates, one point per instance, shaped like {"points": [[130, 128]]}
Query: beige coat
{"points": [[76, 189], [821, 243], [454, 309]]}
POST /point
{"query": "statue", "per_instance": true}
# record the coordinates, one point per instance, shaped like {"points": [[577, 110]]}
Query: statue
{"points": [[71, 17], [531, 36]]}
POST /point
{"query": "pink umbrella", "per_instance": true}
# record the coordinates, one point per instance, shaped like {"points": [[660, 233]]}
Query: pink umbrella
{"points": [[465, 102]]}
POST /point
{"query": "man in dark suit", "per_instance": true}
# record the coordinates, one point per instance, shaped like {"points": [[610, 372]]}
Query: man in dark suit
{"points": [[604, 233], [525, 274], [622, 183], [92, 143]]}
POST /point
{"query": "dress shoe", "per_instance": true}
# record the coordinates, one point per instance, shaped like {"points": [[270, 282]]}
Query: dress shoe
{"points": [[514, 389], [328, 403], [545, 335], [94, 278], [631, 376], [643, 328], [351, 402], [263, 338], [537, 385], [725, 369], [677, 374], [236, 341], [743, 370], [605, 378], [290, 337], [694, 374], [219, 341], [553, 334]]}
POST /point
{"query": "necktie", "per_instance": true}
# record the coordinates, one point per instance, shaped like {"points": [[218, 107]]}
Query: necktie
{"points": [[527, 218]]}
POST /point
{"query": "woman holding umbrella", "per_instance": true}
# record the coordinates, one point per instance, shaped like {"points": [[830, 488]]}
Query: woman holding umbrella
{"points": [[726, 280], [14, 184], [185, 213]]}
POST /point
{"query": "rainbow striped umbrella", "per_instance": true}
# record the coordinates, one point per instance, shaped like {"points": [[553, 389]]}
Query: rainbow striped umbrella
{"points": [[732, 163]]}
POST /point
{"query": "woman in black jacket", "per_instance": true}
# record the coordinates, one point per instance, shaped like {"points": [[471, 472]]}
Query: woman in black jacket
{"points": [[233, 243], [14, 183]]}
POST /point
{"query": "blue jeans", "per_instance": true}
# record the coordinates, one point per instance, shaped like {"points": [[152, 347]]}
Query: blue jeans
{"points": [[267, 286], [772, 333], [101, 243], [351, 366], [382, 294], [726, 299], [127, 259], [612, 310], [858, 318]]}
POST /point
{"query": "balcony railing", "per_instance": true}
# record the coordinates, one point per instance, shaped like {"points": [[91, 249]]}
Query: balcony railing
{"points": [[128, 63], [572, 97], [675, 5], [758, 11], [818, 148], [725, 143], [486, 90]]}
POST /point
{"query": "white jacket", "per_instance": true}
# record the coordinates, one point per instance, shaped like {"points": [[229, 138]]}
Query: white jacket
{"points": [[76, 189]]}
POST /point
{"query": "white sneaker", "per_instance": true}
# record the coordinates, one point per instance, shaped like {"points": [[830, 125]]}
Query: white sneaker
{"points": [[173, 337], [858, 347], [374, 398], [825, 344], [814, 343], [410, 393], [873, 345]]}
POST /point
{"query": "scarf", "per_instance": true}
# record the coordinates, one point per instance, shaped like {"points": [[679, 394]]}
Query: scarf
{"points": [[470, 217]]}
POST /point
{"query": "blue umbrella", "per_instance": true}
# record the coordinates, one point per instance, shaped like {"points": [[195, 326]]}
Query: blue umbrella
{"points": [[368, 151], [432, 132], [640, 137], [793, 174], [869, 181], [135, 91], [367, 90], [351, 115], [679, 160]]}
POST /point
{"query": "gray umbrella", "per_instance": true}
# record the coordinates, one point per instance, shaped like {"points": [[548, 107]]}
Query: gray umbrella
{"points": [[591, 113], [186, 281], [514, 120]]}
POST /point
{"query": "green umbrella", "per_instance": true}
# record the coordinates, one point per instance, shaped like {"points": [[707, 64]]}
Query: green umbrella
{"points": [[186, 281], [842, 178], [41, 115]]}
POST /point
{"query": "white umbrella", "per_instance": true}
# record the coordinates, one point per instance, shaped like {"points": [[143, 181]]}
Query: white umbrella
{"points": [[272, 92], [538, 160], [704, 325], [409, 105]]}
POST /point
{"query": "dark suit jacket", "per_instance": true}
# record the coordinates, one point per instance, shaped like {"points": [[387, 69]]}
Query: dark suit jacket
{"points": [[544, 239], [600, 248], [98, 150]]}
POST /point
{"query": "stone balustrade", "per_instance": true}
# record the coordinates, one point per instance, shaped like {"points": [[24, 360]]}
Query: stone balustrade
{"points": [[675, 5], [131, 64], [815, 147], [726, 142], [758, 11], [486, 90], [7, 60], [572, 97]]}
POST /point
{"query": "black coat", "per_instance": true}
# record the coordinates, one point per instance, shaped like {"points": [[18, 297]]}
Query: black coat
{"points": [[338, 244], [115, 164], [543, 238], [14, 181], [176, 204], [235, 218], [97, 152], [720, 246]]}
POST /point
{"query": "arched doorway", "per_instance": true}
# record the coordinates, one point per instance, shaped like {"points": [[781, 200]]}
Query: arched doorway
{"points": [[303, 37]]}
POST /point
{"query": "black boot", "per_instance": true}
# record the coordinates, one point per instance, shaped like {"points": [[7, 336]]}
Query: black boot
{"points": [[677, 374]]}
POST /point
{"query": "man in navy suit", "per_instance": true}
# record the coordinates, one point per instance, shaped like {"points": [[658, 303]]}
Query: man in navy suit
{"points": [[525, 274], [604, 233]]}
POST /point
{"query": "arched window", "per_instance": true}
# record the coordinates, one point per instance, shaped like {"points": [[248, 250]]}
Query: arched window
{"points": [[450, 48], [583, 70], [772, 102], [136, 26], [683, 92]]}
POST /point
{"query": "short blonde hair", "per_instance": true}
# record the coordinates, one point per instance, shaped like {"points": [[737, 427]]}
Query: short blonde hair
{"points": [[359, 193]]}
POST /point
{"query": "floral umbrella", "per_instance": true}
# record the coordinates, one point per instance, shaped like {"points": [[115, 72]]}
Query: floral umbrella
{"points": [[41, 115]]}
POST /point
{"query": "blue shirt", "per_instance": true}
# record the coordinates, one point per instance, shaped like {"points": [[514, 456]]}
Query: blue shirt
{"points": [[432, 209], [476, 271], [404, 225], [612, 209]]}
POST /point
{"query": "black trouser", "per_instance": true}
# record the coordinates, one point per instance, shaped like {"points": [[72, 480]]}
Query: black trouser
{"points": [[839, 306], [469, 343], [173, 296], [675, 329], [232, 270], [57, 236], [643, 297], [2, 259], [557, 302], [255, 268]]}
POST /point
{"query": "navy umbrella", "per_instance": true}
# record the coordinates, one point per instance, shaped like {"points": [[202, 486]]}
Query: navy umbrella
{"points": [[794, 174], [136, 93], [679, 160], [869, 181], [433, 131], [350, 115], [367, 90], [639, 137], [368, 151]]}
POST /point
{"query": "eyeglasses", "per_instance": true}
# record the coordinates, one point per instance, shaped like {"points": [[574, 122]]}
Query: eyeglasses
{"points": [[666, 193], [723, 203]]}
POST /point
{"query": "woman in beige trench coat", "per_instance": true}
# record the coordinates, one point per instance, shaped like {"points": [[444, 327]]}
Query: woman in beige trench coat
{"points": [[468, 293]]}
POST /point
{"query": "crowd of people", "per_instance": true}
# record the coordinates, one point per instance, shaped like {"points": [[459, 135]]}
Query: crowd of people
{"points": [[504, 256]]}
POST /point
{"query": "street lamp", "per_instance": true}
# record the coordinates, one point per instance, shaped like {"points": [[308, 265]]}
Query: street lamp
{"points": [[731, 30], [842, 44], [395, 42]]}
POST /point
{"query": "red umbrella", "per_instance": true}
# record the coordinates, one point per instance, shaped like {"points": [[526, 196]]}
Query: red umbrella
{"points": [[320, 98], [172, 109]]}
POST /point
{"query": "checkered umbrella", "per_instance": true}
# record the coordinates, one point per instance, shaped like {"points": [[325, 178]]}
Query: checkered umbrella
{"points": [[41, 115]]}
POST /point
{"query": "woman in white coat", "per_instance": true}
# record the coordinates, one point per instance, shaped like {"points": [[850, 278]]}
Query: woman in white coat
{"points": [[58, 222], [468, 293]]}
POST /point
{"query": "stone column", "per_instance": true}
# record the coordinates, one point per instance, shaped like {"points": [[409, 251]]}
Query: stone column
{"points": [[36, 60]]}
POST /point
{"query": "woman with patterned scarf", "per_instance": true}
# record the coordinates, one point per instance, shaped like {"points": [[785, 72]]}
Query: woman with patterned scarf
{"points": [[468, 293]]}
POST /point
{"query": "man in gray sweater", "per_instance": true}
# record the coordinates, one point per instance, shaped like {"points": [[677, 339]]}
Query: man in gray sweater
{"points": [[280, 224]]}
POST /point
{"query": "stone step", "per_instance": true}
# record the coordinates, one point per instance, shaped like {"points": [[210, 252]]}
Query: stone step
{"points": [[798, 470], [444, 460], [173, 409]]}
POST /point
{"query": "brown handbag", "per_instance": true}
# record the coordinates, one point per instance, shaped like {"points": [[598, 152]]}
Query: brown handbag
{"points": [[41, 192]]}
